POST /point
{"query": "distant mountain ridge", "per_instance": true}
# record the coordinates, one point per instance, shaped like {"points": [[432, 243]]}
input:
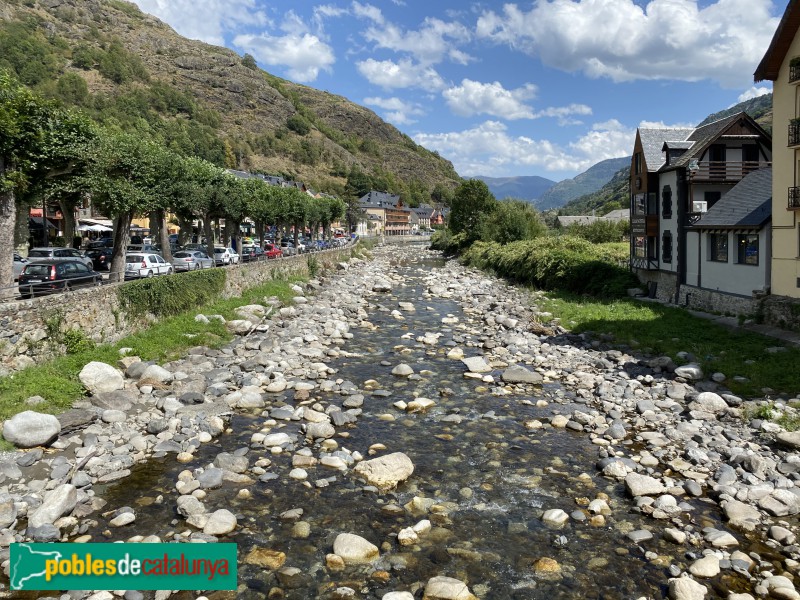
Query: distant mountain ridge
{"points": [[525, 187], [591, 180]]}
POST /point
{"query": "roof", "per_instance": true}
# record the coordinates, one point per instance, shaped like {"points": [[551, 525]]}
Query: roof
{"points": [[653, 142], [566, 221], [784, 36], [747, 205], [621, 214], [375, 197], [424, 212]]}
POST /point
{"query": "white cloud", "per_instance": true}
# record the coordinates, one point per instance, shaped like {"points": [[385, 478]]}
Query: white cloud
{"points": [[618, 39], [564, 113], [489, 149], [403, 74], [399, 111], [753, 92], [210, 24], [662, 125], [434, 41], [473, 98], [303, 55]]}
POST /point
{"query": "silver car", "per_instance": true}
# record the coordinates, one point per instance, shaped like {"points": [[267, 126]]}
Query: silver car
{"points": [[191, 260], [19, 264], [56, 253]]}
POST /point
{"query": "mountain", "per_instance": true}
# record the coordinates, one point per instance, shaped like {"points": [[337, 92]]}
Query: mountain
{"points": [[615, 193], [129, 70], [589, 181], [529, 188]]}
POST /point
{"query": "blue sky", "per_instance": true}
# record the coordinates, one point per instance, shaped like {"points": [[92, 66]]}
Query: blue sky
{"points": [[545, 88]]}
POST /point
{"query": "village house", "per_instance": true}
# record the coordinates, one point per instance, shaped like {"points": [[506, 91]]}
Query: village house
{"points": [[676, 176], [395, 218]]}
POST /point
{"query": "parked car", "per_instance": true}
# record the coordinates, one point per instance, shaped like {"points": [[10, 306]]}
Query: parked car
{"points": [[252, 253], [105, 242], [54, 253], [101, 258], [225, 256], [54, 275], [194, 246], [144, 248], [146, 265], [19, 264], [272, 251], [191, 260], [288, 248]]}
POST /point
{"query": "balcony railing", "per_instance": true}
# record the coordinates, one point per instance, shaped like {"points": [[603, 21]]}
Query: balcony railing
{"points": [[794, 198], [725, 171], [794, 133]]}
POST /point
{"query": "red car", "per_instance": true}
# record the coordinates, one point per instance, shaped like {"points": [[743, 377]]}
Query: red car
{"points": [[272, 251]]}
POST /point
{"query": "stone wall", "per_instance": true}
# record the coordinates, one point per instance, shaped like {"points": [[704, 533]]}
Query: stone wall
{"points": [[25, 325], [665, 283], [781, 311], [716, 302]]}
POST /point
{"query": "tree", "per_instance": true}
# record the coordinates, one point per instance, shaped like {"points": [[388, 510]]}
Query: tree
{"points": [[471, 202], [123, 177], [27, 123], [511, 221], [249, 62], [442, 194]]}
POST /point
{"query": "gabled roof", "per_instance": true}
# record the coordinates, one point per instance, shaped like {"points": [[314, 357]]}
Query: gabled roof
{"points": [[653, 142], [620, 214], [747, 205], [378, 198], [784, 36]]}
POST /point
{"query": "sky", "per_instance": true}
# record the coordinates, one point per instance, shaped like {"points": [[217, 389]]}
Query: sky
{"points": [[546, 88]]}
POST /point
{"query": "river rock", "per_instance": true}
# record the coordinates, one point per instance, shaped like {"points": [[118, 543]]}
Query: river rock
{"points": [[265, 558], [220, 522], [707, 567], [709, 402], [385, 472], [57, 502], [101, 377], [555, 517], [643, 485], [28, 429], [398, 596], [476, 364], [685, 588], [381, 285], [8, 511], [519, 374], [447, 588], [156, 373], [402, 370], [354, 549], [320, 430], [790, 439], [692, 372]]}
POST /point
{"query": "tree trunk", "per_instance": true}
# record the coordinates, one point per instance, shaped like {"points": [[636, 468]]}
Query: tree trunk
{"points": [[209, 233], [260, 233], [185, 229], [154, 225], [8, 221], [122, 225], [236, 237], [163, 235], [296, 235], [67, 207]]}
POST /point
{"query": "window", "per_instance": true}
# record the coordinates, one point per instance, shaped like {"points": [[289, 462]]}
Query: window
{"points": [[640, 247], [666, 247], [637, 163], [640, 205], [718, 247], [666, 202], [652, 204], [747, 249]]}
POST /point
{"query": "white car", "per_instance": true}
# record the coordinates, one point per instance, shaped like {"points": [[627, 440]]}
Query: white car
{"points": [[146, 265], [225, 256]]}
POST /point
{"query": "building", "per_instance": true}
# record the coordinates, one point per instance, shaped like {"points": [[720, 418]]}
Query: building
{"points": [[729, 257], [676, 176], [395, 218], [422, 215], [781, 65]]}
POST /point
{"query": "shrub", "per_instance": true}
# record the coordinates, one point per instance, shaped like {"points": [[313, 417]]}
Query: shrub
{"points": [[163, 296], [600, 232], [298, 124]]}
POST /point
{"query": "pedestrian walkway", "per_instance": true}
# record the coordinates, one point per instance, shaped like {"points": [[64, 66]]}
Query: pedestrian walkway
{"points": [[790, 337]]}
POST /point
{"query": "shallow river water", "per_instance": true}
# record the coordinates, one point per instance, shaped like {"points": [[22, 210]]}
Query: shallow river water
{"points": [[489, 478]]}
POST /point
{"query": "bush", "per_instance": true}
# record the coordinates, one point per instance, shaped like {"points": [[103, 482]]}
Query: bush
{"points": [[164, 296], [511, 221], [565, 263], [600, 232], [298, 124]]}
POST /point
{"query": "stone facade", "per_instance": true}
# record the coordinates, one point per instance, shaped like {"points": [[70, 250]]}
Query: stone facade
{"points": [[25, 325], [665, 283], [716, 302], [781, 311]]}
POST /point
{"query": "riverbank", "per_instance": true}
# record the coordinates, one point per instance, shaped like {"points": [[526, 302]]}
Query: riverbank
{"points": [[534, 463]]}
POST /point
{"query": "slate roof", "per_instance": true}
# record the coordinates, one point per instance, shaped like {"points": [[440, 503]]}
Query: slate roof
{"points": [[747, 206], [378, 198], [703, 136], [653, 142]]}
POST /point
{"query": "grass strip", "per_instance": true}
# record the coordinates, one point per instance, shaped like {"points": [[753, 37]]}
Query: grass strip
{"points": [[655, 330], [167, 339]]}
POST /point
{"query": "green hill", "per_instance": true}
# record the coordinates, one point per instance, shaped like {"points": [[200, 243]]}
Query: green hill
{"points": [[130, 71], [587, 182]]}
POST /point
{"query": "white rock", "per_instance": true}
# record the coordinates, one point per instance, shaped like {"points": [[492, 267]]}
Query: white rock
{"points": [[101, 377], [220, 522], [354, 549], [57, 502], [447, 588], [402, 370], [28, 429], [476, 364], [685, 588], [385, 472], [555, 517], [708, 566], [643, 485], [157, 373]]}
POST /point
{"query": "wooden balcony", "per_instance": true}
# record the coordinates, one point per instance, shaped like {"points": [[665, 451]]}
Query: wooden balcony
{"points": [[725, 171], [794, 198], [794, 134]]}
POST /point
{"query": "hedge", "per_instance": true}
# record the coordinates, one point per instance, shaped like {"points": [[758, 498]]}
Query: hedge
{"points": [[164, 296], [565, 263]]}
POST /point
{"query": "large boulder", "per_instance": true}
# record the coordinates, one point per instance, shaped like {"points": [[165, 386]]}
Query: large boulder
{"points": [[476, 364], [101, 377], [643, 485], [156, 374], [57, 502], [385, 472], [447, 588], [28, 429], [519, 374], [354, 549], [220, 522]]}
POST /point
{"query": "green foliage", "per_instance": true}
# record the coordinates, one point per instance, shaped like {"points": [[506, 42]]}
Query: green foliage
{"points": [[471, 204], [298, 124], [611, 196], [565, 263], [601, 232], [71, 88], [511, 221], [27, 52], [314, 266], [165, 296], [121, 66], [249, 62]]}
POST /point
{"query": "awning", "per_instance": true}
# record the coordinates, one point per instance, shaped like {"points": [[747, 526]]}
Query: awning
{"points": [[104, 222], [36, 223]]}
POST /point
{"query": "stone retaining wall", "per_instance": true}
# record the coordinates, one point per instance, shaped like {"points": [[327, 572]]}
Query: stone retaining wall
{"points": [[716, 302], [25, 325], [781, 311]]}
